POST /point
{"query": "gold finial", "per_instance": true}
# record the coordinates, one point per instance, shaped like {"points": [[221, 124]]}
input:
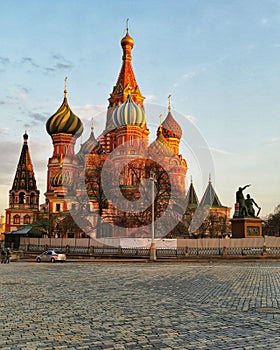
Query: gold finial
{"points": [[191, 179], [169, 104], [92, 127], [65, 86], [127, 25], [209, 177]]}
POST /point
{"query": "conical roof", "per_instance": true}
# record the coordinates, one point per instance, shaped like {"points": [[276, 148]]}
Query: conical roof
{"points": [[24, 178], [191, 198], [210, 197], [126, 82]]}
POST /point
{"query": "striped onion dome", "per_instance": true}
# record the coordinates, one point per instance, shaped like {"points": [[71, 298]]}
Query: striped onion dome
{"points": [[90, 146], [64, 121], [129, 113], [61, 178], [160, 145], [170, 128]]}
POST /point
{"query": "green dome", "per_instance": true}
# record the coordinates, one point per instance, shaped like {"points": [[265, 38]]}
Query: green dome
{"points": [[64, 121]]}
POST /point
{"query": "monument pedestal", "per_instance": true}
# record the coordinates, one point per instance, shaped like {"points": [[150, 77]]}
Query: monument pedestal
{"points": [[246, 227]]}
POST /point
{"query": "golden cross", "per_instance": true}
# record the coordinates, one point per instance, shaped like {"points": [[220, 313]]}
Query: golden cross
{"points": [[65, 86], [160, 120], [169, 105]]}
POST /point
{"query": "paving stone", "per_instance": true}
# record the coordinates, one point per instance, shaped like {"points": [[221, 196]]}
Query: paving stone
{"points": [[112, 306]]}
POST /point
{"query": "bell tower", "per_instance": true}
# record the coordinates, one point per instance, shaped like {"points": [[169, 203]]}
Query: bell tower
{"points": [[24, 195]]}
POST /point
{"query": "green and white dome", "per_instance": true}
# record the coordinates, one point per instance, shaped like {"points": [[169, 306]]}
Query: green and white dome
{"points": [[129, 113]]}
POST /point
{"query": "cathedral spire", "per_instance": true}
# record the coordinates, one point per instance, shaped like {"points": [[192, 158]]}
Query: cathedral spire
{"points": [[126, 82]]}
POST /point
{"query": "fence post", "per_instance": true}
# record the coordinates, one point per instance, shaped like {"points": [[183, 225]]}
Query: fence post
{"points": [[224, 251], [91, 250], [186, 251], [264, 251]]}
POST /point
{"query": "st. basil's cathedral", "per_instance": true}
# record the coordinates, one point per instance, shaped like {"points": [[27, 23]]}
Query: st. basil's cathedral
{"points": [[76, 204]]}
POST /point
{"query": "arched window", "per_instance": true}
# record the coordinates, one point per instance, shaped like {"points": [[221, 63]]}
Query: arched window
{"points": [[16, 219], [21, 198], [26, 219], [32, 198]]}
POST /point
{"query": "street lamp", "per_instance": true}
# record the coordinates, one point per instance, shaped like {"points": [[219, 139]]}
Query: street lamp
{"points": [[153, 252]]}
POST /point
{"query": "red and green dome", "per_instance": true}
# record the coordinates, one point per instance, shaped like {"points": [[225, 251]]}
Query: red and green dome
{"points": [[64, 121], [170, 128]]}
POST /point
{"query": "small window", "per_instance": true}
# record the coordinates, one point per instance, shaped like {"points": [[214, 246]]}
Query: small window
{"points": [[16, 219], [57, 207], [26, 219]]}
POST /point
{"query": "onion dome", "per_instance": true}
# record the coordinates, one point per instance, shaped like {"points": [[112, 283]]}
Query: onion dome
{"points": [[129, 113], [170, 128], [90, 146], [61, 178], [160, 145], [64, 121], [127, 40]]}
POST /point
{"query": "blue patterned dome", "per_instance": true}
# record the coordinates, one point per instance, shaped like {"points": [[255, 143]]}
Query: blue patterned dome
{"points": [[129, 113]]}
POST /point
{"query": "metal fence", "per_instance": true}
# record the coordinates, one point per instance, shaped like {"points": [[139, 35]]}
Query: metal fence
{"points": [[262, 246]]}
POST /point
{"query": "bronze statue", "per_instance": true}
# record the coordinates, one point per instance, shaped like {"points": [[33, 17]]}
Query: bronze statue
{"points": [[250, 206], [243, 210]]}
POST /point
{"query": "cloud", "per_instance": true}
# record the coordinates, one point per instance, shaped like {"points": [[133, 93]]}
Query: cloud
{"points": [[29, 61], [60, 64], [150, 98], [4, 61], [191, 118], [189, 75], [221, 151], [3, 131], [272, 140], [89, 112], [38, 117]]}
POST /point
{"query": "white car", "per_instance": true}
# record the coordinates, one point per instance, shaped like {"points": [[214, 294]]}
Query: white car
{"points": [[51, 255]]}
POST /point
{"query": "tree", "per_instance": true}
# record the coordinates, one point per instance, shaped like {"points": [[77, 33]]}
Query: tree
{"points": [[271, 225]]}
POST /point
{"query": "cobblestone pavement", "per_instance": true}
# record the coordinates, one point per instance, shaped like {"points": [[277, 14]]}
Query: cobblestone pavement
{"points": [[139, 306]]}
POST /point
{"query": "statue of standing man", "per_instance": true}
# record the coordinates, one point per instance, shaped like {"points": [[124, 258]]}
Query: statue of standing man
{"points": [[243, 210]]}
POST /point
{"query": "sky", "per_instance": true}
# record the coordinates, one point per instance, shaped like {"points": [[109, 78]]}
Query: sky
{"points": [[218, 59]]}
